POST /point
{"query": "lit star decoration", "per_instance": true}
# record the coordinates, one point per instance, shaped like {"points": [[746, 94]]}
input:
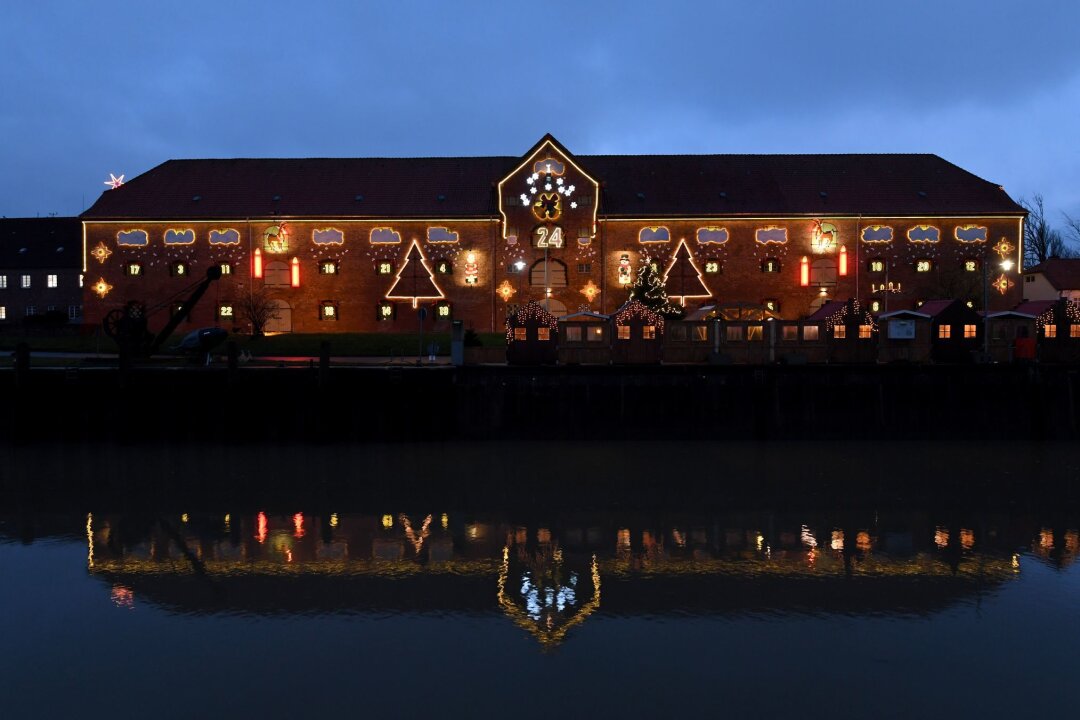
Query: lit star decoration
{"points": [[102, 288], [1003, 247], [1003, 283], [100, 253], [114, 182], [590, 291], [506, 290]]}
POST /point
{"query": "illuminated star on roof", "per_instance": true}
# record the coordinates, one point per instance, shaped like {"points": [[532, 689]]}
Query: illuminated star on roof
{"points": [[114, 182]]}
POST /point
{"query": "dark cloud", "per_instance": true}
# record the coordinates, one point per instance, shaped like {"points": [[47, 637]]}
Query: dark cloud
{"points": [[121, 86]]}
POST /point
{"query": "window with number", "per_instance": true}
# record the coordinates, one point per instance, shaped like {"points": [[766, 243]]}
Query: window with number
{"points": [[226, 268], [971, 265], [385, 267], [923, 266], [178, 269], [770, 265], [444, 267], [876, 265], [328, 267], [548, 237], [133, 269], [712, 267], [225, 311], [328, 311]]}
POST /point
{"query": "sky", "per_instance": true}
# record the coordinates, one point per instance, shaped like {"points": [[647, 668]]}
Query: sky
{"points": [[93, 88]]}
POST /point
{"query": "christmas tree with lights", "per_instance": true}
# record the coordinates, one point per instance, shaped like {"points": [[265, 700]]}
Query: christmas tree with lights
{"points": [[649, 290]]}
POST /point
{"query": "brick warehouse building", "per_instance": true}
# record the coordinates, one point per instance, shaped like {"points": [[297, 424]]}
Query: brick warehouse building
{"points": [[355, 244]]}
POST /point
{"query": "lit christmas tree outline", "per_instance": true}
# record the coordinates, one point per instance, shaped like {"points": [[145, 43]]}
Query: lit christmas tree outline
{"points": [[415, 276], [682, 279]]}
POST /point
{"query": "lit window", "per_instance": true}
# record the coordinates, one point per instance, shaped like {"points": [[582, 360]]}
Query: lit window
{"points": [[444, 267], [969, 331], [623, 332], [971, 265], [865, 331], [944, 332], [50, 281], [442, 310], [875, 306], [922, 266], [712, 267], [1074, 331], [133, 269], [596, 334], [839, 332], [386, 268], [3, 312], [225, 311], [790, 333], [385, 311], [734, 333], [573, 333], [876, 266], [1050, 331], [31, 310], [24, 281], [327, 311], [648, 332], [3, 282], [810, 332], [328, 267], [701, 333], [226, 268], [519, 335], [543, 333], [80, 280], [754, 332], [770, 265], [178, 269]]}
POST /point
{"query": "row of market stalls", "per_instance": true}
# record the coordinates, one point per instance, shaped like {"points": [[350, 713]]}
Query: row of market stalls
{"points": [[939, 331]]}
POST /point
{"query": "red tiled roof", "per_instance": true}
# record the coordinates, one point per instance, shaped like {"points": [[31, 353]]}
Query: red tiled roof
{"points": [[1062, 273], [825, 311], [1034, 308], [933, 308], [632, 186]]}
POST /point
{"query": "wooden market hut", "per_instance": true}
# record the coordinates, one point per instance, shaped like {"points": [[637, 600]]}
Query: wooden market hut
{"points": [[531, 334], [584, 339], [637, 334], [942, 331], [1012, 332], [1057, 332], [850, 331]]}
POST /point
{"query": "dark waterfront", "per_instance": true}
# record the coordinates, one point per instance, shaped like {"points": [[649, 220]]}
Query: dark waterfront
{"points": [[531, 579]]}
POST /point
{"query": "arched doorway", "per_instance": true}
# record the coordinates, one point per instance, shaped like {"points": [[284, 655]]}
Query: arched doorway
{"points": [[554, 307], [548, 273], [280, 320]]}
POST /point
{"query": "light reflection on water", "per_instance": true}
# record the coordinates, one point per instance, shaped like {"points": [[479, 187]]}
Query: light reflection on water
{"points": [[626, 609]]}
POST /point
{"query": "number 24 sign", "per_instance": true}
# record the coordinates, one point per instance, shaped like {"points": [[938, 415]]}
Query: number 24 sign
{"points": [[548, 237]]}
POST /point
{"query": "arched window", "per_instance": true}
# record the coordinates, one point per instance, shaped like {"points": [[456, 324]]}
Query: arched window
{"points": [[550, 273], [823, 272], [276, 274], [554, 307], [280, 320]]}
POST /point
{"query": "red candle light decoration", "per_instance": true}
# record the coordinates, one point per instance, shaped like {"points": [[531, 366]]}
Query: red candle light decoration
{"points": [[256, 260], [804, 271], [843, 260], [296, 272]]}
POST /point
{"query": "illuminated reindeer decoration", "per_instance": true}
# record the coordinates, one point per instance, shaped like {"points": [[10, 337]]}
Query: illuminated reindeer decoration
{"points": [[823, 236], [276, 238]]}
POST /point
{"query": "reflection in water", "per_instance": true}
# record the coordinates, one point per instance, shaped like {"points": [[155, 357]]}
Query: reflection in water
{"points": [[548, 581]]}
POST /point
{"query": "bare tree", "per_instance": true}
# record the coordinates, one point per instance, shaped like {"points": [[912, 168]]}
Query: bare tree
{"points": [[1072, 227], [1041, 241], [258, 308]]}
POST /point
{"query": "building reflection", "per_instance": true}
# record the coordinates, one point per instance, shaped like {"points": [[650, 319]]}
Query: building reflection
{"points": [[546, 578]]}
